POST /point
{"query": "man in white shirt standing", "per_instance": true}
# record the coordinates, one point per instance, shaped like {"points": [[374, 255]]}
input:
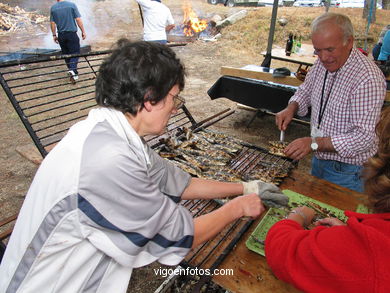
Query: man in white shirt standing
{"points": [[157, 19]]}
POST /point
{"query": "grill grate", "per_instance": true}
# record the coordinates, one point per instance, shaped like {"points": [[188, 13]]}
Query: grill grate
{"points": [[48, 103], [45, 100], [254, 160]]}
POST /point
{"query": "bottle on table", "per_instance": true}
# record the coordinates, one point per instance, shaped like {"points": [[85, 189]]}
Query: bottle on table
{"points": [[289, 44], [294, 48], [298, 45]]}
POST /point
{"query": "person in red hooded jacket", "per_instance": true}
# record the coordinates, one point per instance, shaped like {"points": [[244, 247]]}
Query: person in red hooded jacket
{"points": [[334, 256]]}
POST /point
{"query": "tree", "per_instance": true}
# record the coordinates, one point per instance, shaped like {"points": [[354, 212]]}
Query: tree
{"points": [[326, 3], [367, 9]]}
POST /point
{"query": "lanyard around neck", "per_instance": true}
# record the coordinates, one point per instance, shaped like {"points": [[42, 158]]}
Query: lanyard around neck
{"points": [[322, 110]]}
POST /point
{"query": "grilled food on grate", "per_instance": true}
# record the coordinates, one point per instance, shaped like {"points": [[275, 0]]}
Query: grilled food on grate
{"points": [[213, 155], [277, 147]]}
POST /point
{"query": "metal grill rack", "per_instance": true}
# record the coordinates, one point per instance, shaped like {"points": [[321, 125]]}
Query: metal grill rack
{"points": [[256, 159], [45, 100], [207, 254]]}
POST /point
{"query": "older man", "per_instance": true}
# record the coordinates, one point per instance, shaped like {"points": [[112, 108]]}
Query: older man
{"points": [[345, 91]]}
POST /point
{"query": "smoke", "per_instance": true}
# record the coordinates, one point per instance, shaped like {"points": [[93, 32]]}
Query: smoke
{"points": [[98, 18], [85, 8]]}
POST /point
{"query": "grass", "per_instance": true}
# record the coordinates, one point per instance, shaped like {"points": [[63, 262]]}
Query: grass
{"points": [[251, 33]]}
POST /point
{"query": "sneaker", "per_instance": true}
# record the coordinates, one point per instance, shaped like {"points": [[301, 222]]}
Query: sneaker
{"points": [[72, 76]]}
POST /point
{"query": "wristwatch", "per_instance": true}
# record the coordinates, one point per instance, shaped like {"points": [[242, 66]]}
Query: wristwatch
{"points": [[314, 144]]}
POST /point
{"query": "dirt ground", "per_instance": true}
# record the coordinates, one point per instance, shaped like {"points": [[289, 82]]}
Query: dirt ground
{"points": [[203, 61]]}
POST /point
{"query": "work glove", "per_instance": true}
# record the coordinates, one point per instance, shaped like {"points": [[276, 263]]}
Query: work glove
{"points": [[269, 193]]}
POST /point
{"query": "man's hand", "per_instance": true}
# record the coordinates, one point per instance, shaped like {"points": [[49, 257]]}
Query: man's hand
{"points": [[55, 39], [298, 148], [170, 27], [284, 117], [83, 35], [269, 193]]}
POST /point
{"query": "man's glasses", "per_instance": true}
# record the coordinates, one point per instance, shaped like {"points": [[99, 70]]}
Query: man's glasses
{"points": [[178, 101]]}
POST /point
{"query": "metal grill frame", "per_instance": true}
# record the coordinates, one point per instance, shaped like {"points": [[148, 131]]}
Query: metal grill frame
{"points": [[41, 94], [18, 77]]}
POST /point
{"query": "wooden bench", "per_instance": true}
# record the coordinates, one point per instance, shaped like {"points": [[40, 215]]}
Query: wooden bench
{"points": [[305, 58], [5, 234], [257, 72]]}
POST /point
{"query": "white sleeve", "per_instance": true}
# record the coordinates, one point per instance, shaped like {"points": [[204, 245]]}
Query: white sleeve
{"points": [[125, 213]]}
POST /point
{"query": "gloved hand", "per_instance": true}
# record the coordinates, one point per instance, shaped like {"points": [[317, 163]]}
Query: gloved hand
{"points": [[269, 193]]}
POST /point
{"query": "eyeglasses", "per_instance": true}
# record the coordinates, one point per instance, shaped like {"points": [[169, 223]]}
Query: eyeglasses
{"points": [[178, 101]]}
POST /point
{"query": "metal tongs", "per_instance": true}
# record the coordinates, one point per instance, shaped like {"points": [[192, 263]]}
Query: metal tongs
{"points": [[281, 136]]}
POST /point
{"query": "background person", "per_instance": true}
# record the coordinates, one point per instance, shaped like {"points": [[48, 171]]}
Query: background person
{"points": [[64, 16], [384, 53], [384, 58], [338, 257], [346, 91], [103, 202], [377, 48], [158, 20]]}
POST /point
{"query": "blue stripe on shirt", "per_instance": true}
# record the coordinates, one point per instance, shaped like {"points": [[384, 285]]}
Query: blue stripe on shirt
{"points": [[138, 239]]}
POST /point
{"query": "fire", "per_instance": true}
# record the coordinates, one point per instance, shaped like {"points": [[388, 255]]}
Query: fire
{"points": [[192, 23]]}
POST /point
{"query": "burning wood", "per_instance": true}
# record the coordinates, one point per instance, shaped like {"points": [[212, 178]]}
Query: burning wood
{"points": [[192, 23], [15, 18]]}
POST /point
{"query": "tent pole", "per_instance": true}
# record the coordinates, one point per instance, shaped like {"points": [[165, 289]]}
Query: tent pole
{"points": [[141, 14], [267, 59]]}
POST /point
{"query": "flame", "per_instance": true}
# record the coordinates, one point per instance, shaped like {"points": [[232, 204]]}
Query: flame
{"points": [[192, 23]]}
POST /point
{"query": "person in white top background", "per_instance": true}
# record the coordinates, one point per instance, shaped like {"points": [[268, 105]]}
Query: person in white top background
{"points": [[157, 20]]}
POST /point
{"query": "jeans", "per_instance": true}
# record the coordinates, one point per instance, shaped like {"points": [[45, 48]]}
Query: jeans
{"points": [[70, 44], [343, 174], [163, 42], [376, 50]]}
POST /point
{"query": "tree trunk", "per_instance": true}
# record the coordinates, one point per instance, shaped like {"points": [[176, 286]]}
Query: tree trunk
{"points": [[366, 10], [326, 3]]}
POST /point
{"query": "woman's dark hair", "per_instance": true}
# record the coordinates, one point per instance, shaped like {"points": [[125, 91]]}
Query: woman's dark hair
{"points": [[137, 72], [377, 169]]}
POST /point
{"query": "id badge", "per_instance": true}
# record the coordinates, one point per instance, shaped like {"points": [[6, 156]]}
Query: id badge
{"points": [[316, 132]]}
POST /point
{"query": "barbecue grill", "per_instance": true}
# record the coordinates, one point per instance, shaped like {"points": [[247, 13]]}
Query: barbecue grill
{"points": [[269, 95], [48, 104]]}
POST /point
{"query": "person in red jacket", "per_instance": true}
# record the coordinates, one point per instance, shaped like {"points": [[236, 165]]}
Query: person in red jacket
{"points": [[338, 257]]}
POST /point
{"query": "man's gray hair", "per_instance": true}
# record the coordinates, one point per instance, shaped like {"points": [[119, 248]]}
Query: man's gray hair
{"points": [[341, 20]]}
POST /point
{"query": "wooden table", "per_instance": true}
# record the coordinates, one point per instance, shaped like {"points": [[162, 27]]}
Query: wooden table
{"points": [[304, 57], [251, 272]]}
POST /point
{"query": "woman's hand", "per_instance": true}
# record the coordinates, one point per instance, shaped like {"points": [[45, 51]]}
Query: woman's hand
{"points": [[249, 205], [329, 222], [302, 215]]}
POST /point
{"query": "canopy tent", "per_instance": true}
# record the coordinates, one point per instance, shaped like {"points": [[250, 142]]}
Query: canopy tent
{"points": [[267, 59]]}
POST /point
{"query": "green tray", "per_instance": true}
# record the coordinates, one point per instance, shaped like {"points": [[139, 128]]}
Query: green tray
{"points": [[274, 215], [361, 208]]}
